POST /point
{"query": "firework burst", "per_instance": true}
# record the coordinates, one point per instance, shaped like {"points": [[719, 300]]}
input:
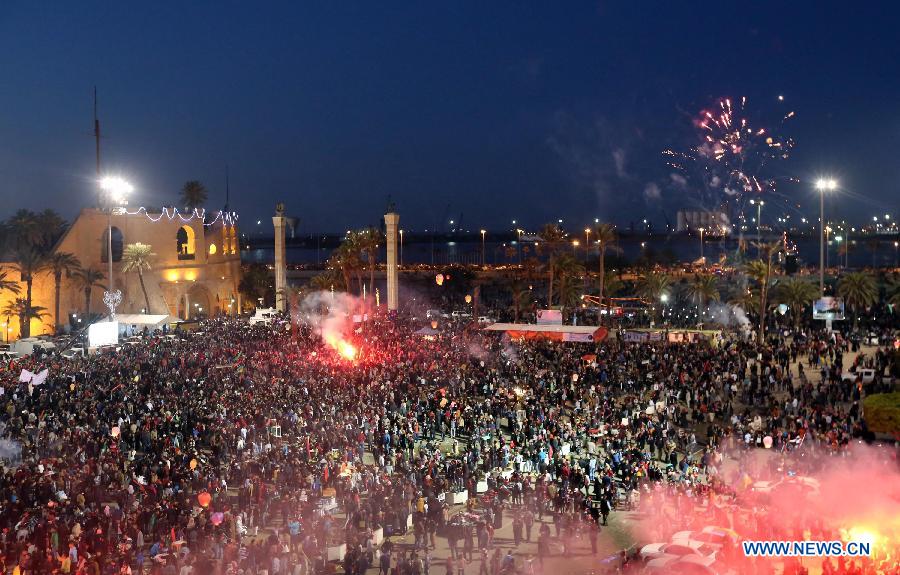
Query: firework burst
{"points": [[731, 161]]}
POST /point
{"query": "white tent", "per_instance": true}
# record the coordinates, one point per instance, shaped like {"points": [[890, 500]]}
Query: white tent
{"points": [[142, 320]]}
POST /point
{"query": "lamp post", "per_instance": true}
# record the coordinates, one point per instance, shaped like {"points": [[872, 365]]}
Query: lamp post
{"points": [[482, 246], [701, 245], [401, 247], [587, 244], [575, 248], [759, 204], [116, 189], [519, 243], [822, 185]]}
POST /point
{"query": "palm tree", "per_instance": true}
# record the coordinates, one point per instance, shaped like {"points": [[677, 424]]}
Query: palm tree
{"points": [[136, 258], [702, 289], [653, 286], [193, 195], [8, 284], [330, 278], [255, 282], [521, 299], [552, 240], [20, 308], [347, 258], [58, 264], [570, 272], [369, 241], [858, 290], [795, 293], [892, 289], [761, 271], [37, 231], [606, 239], [87, 279], [29, 262]]}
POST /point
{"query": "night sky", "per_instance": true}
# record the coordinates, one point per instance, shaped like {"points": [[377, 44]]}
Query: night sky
{"points": [[493, 110]]}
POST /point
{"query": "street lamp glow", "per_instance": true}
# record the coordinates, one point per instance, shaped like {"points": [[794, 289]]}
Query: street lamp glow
{"points": [[826, 184], [664, 298], [823, 185], [116, 187]]}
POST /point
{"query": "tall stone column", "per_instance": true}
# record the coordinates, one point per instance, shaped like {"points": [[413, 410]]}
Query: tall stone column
{"points": [[280, 262], [392, 222]]}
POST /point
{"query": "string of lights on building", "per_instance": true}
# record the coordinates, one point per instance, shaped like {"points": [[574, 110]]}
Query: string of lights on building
{"points": [[227, 218]]}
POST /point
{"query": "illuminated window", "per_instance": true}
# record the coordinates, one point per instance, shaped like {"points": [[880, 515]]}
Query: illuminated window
{"points": [[212, 249], [186, 243]]}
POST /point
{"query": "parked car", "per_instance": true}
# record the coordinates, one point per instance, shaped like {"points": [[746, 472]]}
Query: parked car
{"points": [[486, 320], [656, 550], [73, 352], [263, 316], [711, 535], [27, 346], [460, 314], [867, 374], [700, 565]]}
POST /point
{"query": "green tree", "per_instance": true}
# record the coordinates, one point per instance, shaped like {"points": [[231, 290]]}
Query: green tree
{"points": [[570, 272], [193, 195], [59, 264], [136, 258], [87, 279], [607, 239], [795, 293], [29, 262], [892, 289], [653, 286], [9, 285], [702, 289], [20, 308], [552, 241], [256, 283], [761, 272], [521, 299], [859, 292], [369, 242]]}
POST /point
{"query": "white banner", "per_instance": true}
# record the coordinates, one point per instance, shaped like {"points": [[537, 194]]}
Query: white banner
{"points": [[549, 317], [39, 378]]}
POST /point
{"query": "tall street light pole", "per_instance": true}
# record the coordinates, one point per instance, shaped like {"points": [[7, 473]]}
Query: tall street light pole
{"points": [[116, 189], [401, 247], [482, 246], [823, 185], [587, 244], [701, 245]]}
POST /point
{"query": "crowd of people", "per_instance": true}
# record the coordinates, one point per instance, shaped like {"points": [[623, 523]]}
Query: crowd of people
{"points": [[259, 449]]}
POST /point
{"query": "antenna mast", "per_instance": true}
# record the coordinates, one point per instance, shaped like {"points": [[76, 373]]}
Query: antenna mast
{"points": [[96, 132]]}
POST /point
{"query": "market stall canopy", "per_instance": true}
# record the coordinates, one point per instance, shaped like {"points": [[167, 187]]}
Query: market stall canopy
{"points": [[555, 332]]}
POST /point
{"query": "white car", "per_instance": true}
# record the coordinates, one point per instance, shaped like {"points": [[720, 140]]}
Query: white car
{"points": [[700, 565], [73, 352], [715, 537], [460, 314], [661, 564], [867, 374], [656, 550], [808, 486], [263, 316], [486, 320]]}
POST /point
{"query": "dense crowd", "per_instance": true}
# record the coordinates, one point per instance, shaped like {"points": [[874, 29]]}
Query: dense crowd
{"points": [[258, 449]]}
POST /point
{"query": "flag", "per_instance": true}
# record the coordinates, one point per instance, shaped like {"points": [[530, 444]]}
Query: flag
{"points": [[25, 376]]}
